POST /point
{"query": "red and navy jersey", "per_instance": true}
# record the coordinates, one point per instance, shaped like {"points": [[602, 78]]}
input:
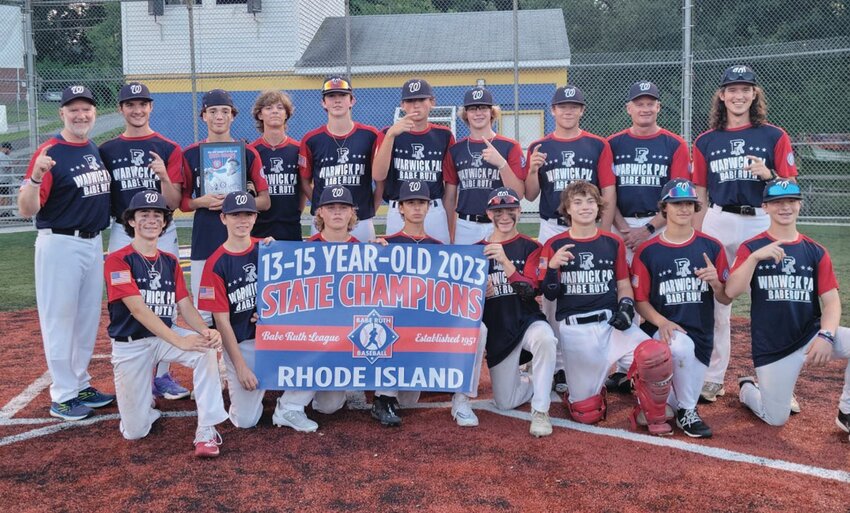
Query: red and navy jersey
{"points": [[229, 284], [586, 157], [403, 238], [663, 275], [419, 156], [505, 314], [643, 165], [318, 238], [785, 296], [588, 282], [280, 167], [720, 157], [208, 232], [159, 280], [474, 176], [128, 158], [328, 160], [74, 193]]}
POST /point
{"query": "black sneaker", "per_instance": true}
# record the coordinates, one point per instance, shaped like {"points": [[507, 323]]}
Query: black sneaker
{"points": [[559, 382], [843, 421], [618, 382], [690, 422], [384, 411]]}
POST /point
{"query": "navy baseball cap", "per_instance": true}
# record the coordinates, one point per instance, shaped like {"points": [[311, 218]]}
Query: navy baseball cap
{"points": [[238, 201], [414, 189], [643, 88], [134, 91], [416, 88], [738, 74], [336, 194], [77, 92], [503, 197], [149, 199], [679, 190], [216, 97], [477, 96], [781, 188], [336, 85], [568, 94]]}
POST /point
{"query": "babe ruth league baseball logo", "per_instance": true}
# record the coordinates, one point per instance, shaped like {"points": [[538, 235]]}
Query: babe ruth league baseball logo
{"points": [[373, 337], [641, 155], [250, 272], [683, 267], [137, 157], [568, 158], [585, 261], [737, 146], [788, 263], [92, 162], [418, 151], [342, 155], [276, 165]]}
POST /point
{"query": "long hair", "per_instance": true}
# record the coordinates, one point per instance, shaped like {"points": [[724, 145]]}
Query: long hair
{"points": [[718, 117], [267, 98], [319, 223], [495, 114], [580, 188]]}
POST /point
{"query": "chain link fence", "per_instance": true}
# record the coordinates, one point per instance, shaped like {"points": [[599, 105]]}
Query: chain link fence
{"points": [[521, 50]]}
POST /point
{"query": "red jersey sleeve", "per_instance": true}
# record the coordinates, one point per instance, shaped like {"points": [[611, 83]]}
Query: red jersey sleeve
{"points": [[515, 161], [379, 140], [256, 172], [181, 292], [641, 281], [681, 163], [721, 263], [742, 254], [119, 279], [783, 157], [212, 296], [698, 170], [546, 253], [305, 161], [826, 275], [188, 186], [46, 179], [621, 266], [174, 166], [605, 167], [533, 270], [449, 170]]}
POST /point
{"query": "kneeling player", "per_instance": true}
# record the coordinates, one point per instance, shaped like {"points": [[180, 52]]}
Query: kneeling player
{"points": [[676, 278], [144, 285]]}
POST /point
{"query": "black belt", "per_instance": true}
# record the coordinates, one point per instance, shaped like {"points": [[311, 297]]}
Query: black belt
{"points": [[642, 215], [75, 233], [474, 218], [125, 339], [744, 210], [394, 203], [559, 220], [591, 319]]}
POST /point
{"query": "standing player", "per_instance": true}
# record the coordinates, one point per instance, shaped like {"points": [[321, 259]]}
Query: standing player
{"points": [[478, 164], [144, 286], [66, 187], [414, 149], [732, 162], [795, 309], [279, 155], [675, 277], [141, 159], [341, 153]]}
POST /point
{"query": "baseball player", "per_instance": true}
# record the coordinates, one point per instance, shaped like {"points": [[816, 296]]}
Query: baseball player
{"points": [[478, 164], [512, 318], [732, 162], [143, 286], [66, 188], [279, 155], [675, 276], [414, 149], [587, 274], [218, 112], [141, 159], [341, 153], [795, 308]]}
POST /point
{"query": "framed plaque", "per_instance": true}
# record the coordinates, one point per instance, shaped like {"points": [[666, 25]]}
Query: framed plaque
{"points": [[223, 167]]}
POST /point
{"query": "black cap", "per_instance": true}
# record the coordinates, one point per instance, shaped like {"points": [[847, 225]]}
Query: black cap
{"points": [[134, 91], [781, 188], [503, 197], [414, 189], [149, 199], [679, 190], [336, 194], [238, 201], [568, 94], [336, 84], [477, 96], [77, 92], [416, 88], [643, 88], [216, 97], [738, 74]]}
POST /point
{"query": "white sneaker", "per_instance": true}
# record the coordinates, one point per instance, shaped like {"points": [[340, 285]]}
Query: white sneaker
{"points": [[795, 405], [462, 411], [295, 419], [540, 424]]}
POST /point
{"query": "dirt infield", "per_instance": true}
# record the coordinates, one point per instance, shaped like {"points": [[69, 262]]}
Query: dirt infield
{"points": [[428, 465]]}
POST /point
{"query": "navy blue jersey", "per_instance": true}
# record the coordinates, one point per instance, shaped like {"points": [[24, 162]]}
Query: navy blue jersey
{"points": [[74, 193], [785, 308], [229, 284], [419, 156], [663, 275], [586, 157], [159, 280], [643, 165], [720, 157], [403, 238], [280, 167], [474, 176], [128, 158], [327, 160]]}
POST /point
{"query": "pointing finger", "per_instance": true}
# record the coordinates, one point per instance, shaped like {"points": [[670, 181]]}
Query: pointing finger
{"points": [[44, 150], [707, 260], [488, 143], [155, 156]]}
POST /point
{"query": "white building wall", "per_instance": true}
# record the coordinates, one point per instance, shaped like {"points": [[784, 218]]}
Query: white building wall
{"points": [[311, 14], [12, 40]]}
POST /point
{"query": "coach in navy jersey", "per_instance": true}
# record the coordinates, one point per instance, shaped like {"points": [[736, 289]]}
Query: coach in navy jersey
{"points": [[279, 156], [795, 308]]}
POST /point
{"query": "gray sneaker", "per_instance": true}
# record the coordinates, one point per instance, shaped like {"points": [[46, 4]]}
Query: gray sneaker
{"points": [[540, 424], [711, 391], [295, 419]]}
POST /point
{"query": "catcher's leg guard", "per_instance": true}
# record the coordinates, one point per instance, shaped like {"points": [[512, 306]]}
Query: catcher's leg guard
{"points": [[590, 410], [652, 372]]}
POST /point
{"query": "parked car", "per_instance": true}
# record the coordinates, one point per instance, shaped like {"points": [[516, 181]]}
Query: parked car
{"points": [[52, 96]]}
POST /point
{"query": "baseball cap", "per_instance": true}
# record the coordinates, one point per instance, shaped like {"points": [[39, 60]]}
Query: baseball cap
{"points": [[336, 194], [568, 94], [77, 92], [477, 96], [134, 91], [738, 74], [149, 199], [781, 188], [238, 201], [503, 197], [643, 88], [679, 190], [336, 85], [414, 189], [216, 97], [416, 88]]}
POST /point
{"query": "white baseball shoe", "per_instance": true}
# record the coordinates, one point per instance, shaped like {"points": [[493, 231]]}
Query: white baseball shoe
{"points": [[295, 419], [462, 411], [540, 424]]}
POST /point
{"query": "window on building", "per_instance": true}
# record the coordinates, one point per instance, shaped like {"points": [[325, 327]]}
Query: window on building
{"points": [[230, 2]]}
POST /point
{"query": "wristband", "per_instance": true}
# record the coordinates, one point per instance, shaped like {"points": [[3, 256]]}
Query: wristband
{"points": [[36, 184], [650, 228], [828, 336]]}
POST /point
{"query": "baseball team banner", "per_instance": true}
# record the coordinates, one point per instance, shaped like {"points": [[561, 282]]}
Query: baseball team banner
{"points": [[367, 317]]}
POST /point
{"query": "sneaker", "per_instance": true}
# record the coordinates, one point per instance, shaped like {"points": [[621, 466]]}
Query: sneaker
{"points": [[711, 391], [540, 424], [384, 411], [559, 382], [690, 422], [618, 382], [167, 387], [795, 406], [93, 398], [843, 421], [462, 411], [70, 410], [207, 441], [295, 419]]}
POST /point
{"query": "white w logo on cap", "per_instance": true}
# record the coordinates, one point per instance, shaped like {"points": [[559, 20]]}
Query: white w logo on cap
{"points": [[241, 199], [77, 89], [151, 197], [414, 86], [477, 95], [739, 69], [644, 86], [136, 88], [337, 192], [569, 92], [415, 186]]}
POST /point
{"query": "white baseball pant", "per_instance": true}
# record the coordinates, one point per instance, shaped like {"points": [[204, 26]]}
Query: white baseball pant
{"points": [[196, 271], [511, 388], [436, 224], [470, 232], [688, 372], [246, 406], [636, 222], [550, 228]]}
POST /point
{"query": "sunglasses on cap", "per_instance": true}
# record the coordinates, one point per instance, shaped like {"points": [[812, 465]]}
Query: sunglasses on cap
{"points": [[336, 84], [502, 200], [682, 191], [782, 188]]}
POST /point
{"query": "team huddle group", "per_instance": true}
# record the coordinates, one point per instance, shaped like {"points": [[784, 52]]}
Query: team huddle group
{"points": [[641, 249]]}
